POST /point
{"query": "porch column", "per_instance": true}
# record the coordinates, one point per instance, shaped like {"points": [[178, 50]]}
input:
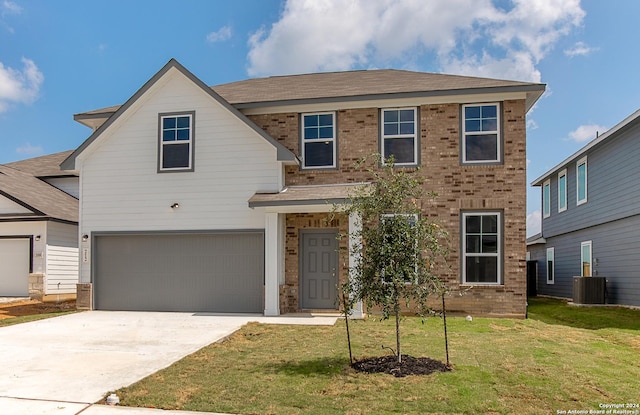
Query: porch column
{"points": [[272, 251], [355, 224]]}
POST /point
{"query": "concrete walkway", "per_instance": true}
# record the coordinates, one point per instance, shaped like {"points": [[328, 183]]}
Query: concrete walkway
{"points": [[64, 365]]}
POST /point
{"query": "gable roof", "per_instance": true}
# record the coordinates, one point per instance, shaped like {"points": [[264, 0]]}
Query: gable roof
{"points": [[283, 154], [348, 86], [608, 135], [19, 182]]}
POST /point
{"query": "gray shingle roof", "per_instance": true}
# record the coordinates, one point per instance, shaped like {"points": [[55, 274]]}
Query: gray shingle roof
{"points": [[306, 195], [352, 85], [43, 166], [19, 182]]}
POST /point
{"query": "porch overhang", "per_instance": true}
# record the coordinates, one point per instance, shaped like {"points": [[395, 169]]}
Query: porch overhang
{"points": [[313, 198]]}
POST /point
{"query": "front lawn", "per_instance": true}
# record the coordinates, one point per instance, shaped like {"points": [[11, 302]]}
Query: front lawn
{"points": [[500, 366]]}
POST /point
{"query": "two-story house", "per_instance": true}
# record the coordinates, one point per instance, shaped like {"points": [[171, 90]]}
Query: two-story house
{"points": [[38, 229], [591, 217], [202, 198]]}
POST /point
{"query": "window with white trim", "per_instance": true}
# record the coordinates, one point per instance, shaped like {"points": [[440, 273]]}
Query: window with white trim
{"points": [[546, 199], [482, 248], [562, 191], [176, 141], [551, 265], [399, 135], [585, 259], [581, 181], [318, 140], [481, 133]]}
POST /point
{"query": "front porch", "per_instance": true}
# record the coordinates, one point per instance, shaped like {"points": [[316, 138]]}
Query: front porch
{"points": [[304, 262]]}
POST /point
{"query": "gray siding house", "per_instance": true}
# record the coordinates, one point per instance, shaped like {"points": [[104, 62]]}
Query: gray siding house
{"points": [[591, 217]]}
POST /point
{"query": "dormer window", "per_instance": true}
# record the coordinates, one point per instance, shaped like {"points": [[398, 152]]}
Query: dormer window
{"points": [[176, 141]]}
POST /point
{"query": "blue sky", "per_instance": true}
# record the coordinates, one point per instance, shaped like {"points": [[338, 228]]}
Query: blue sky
{"points": [[65, 57]]}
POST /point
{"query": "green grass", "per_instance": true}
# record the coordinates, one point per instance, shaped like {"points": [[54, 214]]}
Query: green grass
{"points": [[501, 366], [25, 319]]}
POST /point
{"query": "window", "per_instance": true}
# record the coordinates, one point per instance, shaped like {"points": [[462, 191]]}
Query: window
{"points": [[481, 247], [481, 133], [551, 265], [562, 191], [581, 181], [585, 259], [176, 141], [319, 140], [546, 199], [399, 135]]}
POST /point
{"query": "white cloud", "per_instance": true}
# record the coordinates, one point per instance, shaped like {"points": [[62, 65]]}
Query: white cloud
{"points": [[534, 223], [586, 132], [19, 86], [532, 124], [579, 49], [29, 149], [473, 37], [9, 7], [221, 35]]}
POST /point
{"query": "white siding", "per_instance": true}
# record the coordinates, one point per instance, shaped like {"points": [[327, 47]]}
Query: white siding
{"points": [[62, 270], [122, 191], [9, 206], [62, 258], [68, 185]]}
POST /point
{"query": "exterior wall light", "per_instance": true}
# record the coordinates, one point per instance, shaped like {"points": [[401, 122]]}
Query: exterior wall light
{"points": [[85, 237], [175, 206]]}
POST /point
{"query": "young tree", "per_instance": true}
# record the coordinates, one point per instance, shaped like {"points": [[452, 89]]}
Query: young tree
{"points": [[398, 246]]}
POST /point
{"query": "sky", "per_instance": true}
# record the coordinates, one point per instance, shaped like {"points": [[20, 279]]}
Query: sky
{"points": [[59, 58]]}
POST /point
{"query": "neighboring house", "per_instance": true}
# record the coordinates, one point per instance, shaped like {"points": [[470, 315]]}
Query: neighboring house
{"points": [[591, 217], [216, 199], [38, 229]]}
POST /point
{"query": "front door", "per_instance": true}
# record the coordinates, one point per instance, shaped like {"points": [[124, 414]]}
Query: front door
{"points": [[319, 278]]}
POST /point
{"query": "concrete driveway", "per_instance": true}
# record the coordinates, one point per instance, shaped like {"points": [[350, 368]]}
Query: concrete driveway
{"points": [[72, 361]]}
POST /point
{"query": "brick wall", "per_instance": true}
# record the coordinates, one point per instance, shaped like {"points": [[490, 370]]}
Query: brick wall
{"points": [[487, 187], [289, 293]]}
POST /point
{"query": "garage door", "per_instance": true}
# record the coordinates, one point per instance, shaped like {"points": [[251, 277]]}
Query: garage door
{"points": [[14, 267], [222, 272]]}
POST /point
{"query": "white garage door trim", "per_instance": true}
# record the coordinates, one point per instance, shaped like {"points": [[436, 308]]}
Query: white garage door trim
{"points": [[212, 271], [15, 265]]}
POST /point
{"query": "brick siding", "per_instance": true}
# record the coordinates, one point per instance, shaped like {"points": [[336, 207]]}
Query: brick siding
{"points": [[459, 187]]}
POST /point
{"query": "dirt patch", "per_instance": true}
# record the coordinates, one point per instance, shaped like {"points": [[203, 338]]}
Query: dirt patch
{"points": [[410, 365], [31, 307]]}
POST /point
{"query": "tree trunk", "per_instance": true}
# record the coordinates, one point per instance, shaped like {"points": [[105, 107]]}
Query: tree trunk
{"points": [[398, 333]]}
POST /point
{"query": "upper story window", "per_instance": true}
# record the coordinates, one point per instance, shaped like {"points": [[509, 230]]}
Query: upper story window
{"points": [[176, 141], [562, 191], [481, 248], [581, 181], [481, 133], [546, 199], [399, 135], [319, 140]]}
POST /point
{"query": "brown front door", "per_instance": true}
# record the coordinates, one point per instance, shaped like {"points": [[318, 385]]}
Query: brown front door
{"points": [[318, 264]]}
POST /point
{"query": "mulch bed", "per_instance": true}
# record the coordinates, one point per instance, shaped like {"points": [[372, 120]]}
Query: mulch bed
{"points": [[410, 365]]}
